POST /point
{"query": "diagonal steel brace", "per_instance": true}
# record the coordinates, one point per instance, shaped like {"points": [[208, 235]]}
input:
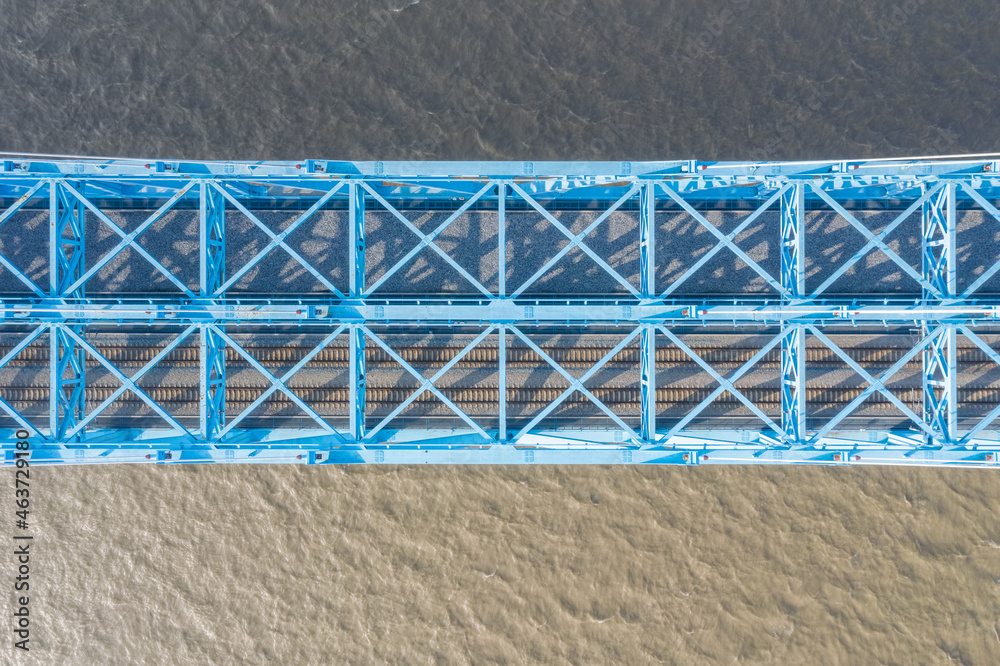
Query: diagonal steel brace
{"points": [[428, 384], [577, 384], [872, 381], [729, 381], [724, 240], [724, 383], [872, 387], [136, 377], [569, 234], [279, 384], [576, 240], [129, 239], [278, 240], [122, 377], [875, 240], [427, 240]]}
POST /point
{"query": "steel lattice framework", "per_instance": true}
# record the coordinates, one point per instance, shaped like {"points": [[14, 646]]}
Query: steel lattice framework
{"points": [[645, 313]]}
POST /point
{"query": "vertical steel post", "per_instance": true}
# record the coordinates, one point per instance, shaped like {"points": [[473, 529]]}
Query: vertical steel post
{"points": [[212, 237], [647, 290], [356, 234], [647, 382], [502, 292], [502, 239], [793, 379], [938, 246], [793, 345], [793, 256], [67, 359], [502, 368], [940, 269], [212, 274], [357, 379], [647, 238]]}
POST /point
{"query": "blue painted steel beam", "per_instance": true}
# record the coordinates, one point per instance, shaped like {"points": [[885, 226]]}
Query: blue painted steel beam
{"points": [[67, 369], [502, 383], [640, 312], [357, 278], [211, 277], [647, 383], [940, 269], [318, 312], [647, 290], [445, 447], [793, 280]]}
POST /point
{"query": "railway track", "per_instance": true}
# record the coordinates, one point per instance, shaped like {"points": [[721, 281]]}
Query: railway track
{"points": [[331, 400], [483, 356], [338, 398]]}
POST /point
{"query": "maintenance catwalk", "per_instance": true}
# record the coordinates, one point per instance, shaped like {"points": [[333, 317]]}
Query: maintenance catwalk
{"points": [[317, 312]]}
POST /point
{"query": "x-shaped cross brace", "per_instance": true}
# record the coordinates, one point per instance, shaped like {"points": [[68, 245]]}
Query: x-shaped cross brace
{"points": [[992, 354], [31, 337], [129, 239], [277, 384], [725, 384], [427, 240], [875, 241], [576, 384], [278, 240], [281, 384], [727, 241], [427, 384], [127, 382], [134, 378], [874, 384], [23, 199], [992, 270], [877, 384], [576, 240]]}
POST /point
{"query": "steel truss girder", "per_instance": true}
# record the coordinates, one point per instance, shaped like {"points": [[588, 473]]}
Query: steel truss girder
{"points": [[647, 383], [317, 312], [938, 231], [211, 278], [793, 345], [67, 381], [647, 290], [212, 399], [546, 448], [358, 382], [356, 270], [940, 390], [940, 269], [793, 383], [643, 310], [67, 367], [212, 240]]}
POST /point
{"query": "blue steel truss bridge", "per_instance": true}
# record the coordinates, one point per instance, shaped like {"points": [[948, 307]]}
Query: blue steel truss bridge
{"points": [[679, 312]]}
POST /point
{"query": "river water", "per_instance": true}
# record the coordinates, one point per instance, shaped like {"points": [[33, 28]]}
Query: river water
{"points": [[178, 565]]}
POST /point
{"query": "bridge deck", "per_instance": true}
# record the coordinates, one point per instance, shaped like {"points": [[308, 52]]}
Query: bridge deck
{"points": [[669, 312]]}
